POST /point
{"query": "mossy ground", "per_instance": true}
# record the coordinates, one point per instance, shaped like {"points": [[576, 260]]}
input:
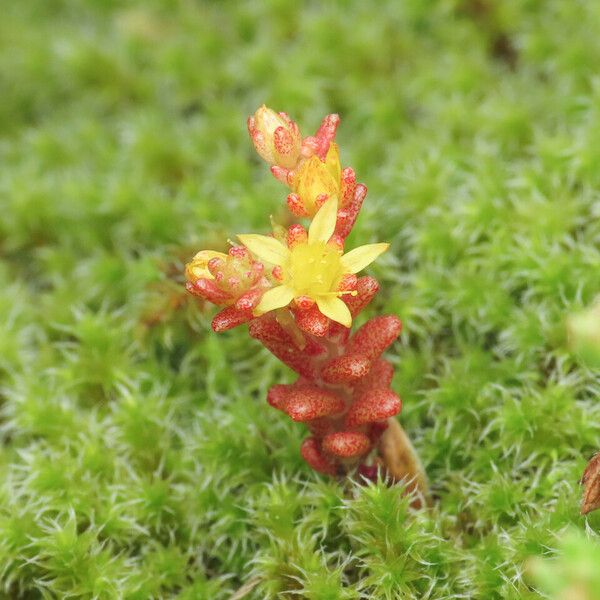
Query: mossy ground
{"points": [[139, 458]]}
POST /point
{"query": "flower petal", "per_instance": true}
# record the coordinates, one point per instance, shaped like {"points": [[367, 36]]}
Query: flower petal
{"points": [[266, 248], [332, 161], [276, 297], [335, 309], [323, 224], [356, 260]]}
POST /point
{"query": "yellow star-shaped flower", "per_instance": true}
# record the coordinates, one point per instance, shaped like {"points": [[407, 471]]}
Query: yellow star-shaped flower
{"points": [[313, 268]]}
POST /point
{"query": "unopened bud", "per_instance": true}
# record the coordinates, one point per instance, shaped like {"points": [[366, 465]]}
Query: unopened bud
{"points": [[276, 137]]}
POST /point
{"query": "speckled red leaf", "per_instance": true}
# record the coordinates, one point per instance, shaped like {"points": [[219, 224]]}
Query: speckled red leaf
{"points": [[267, 329], [375, 336], [273, 337], [312, 321], [375, 405], [311, 453], [346, 369], [278, 395], [208, 289], [310, 402], [380, 376], [296, 234], [348, 181], [347, 216], [346, 444], [293, 358], [295, 203], [366, 288], [229, 318], [249, 300], [320, 142]]}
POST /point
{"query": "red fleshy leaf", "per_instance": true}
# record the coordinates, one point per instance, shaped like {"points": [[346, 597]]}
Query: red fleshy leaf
{"points": [[267, 329], [296, 205], [346, 444], [349, 282], [380, 376], [313, 348], [311, 453], [324, 136], [348, 181], [303, 302], [366, 288], [208, 289], [310, 402], [249, 300], [296, 234], [312, 321], [375, 336], [345, 369], [375, 405], [292, 357], [347, 216], [281, 174], [229, 318], [278, 395], [269, 332]]}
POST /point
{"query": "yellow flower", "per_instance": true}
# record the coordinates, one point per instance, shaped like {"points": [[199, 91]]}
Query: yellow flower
{"points": [[314, 178], [313, 268]]}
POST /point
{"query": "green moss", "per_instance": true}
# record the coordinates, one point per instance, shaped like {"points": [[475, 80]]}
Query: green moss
{"points": [[139, 458]]}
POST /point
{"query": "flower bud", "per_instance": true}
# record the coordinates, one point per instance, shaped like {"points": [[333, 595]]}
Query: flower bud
{"points": [[197, 268], [315, 181], [276, 137]]}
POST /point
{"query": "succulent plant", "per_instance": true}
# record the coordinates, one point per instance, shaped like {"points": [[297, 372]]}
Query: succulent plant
{"points": [[299, 291]]}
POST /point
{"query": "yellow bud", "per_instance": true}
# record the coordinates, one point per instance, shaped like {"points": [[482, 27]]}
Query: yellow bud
{"points": [[313, 179], [276, 137], [197, 268]]}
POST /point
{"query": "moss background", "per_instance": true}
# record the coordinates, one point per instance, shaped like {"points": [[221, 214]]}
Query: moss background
{"points": [[138, 457]]}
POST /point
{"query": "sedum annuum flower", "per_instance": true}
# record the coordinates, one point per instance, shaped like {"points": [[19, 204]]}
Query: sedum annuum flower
{"points": [[312, 268], [298, 292]]}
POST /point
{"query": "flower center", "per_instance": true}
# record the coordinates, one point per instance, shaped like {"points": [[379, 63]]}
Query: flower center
{"points": [[313, 269]]}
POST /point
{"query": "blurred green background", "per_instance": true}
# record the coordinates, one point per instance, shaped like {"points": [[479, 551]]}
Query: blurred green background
{"points": [[138, 457]]}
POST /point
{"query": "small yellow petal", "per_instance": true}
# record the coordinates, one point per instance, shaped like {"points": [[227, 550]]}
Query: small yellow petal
{"points": [[274, 298], [335, 309], [197, 267], [356, 260], [332, 161], [266, 248], [323, 225]]}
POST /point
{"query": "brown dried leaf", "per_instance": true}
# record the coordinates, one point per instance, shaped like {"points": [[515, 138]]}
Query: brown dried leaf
{"points": [[591, 486], [402, 463]]}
